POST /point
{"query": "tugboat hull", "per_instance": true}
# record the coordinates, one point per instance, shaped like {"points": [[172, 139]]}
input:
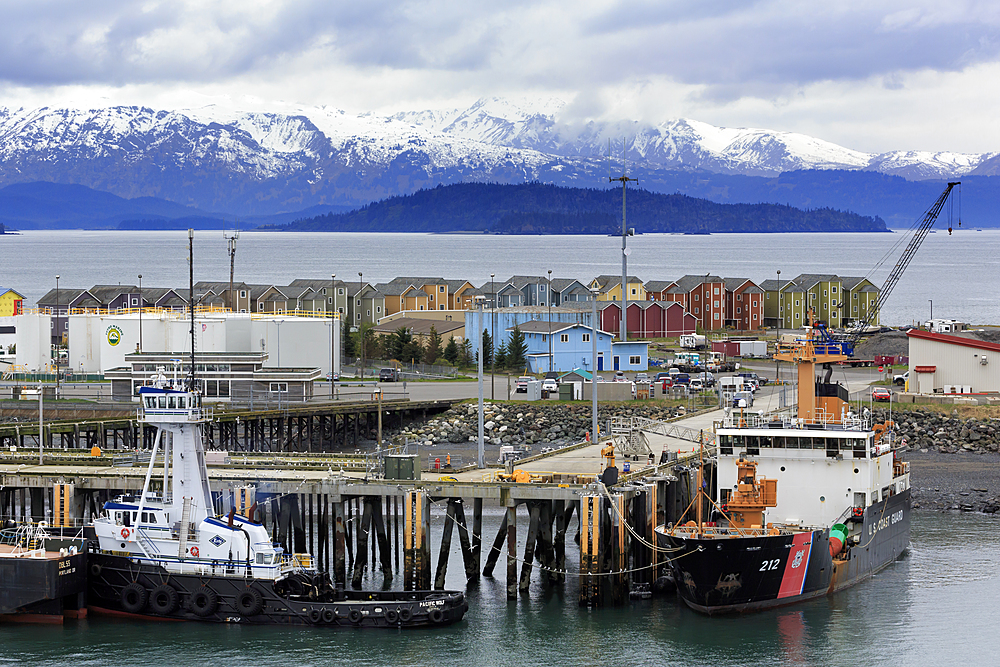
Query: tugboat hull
{"points": [[721, 574], [117, 585]]}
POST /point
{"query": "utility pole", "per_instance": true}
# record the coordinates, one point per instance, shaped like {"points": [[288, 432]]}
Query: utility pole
{"points": [[231, 239], [623, 179]]}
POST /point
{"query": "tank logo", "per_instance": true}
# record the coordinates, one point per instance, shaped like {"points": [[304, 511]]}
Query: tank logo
{"points": [[114, 335], [218, 541], [798, 558]]}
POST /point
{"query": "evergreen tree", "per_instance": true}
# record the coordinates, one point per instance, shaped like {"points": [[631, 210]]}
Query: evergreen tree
{"points": [[348, 340], [466, 359], [413, 351], [433, 350], [501, 357], [516, 350], [451, 351], [487, 348], [398, 340]]}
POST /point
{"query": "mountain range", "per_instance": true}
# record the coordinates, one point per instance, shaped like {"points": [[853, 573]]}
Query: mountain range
{"points": [[219, 164]]}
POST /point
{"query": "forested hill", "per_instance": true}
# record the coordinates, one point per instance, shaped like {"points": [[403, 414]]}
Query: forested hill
{"points": [[536, 208]]}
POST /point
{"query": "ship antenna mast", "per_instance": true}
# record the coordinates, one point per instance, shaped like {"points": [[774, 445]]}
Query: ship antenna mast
{"points": [[231, 240], [622, 329], [191, 301]]}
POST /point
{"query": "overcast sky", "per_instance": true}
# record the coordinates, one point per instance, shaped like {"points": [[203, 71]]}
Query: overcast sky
{"points": [[873, 76]]}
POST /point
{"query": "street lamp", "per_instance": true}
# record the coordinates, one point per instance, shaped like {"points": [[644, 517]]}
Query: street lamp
{"points": [[493, 333], [333, 323], [59, 339], [932, 308], [549, 300], [593, 365], [361, 327], [140, 312], [480, 440]]}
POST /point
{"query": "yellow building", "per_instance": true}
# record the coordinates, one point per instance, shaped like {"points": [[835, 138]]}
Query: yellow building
{"points": [[10, 302], [610, 288]]}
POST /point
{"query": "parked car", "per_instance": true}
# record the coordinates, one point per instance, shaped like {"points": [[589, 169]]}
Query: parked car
{"points": [[521, 384], [696, 385], [550, 384], [642, 377], [707, 378], [663, 375], [750, 375], [620, 377], [900, 380], [881, 394], [388, 375], [682, 378]]}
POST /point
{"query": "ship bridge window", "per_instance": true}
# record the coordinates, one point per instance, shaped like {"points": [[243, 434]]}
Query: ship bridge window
{"points": [[162, 402], [171, 402], [263, 559], [726, 445], [180, 402]]}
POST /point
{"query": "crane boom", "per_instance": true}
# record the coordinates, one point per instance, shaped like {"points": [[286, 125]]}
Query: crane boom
{"points": [[904, 260]]}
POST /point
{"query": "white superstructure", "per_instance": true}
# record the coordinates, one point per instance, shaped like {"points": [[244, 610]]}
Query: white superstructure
{"points": [[178, 529]]}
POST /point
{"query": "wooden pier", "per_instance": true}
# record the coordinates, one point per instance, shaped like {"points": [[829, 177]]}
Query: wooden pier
{"points": [[350, 521]]}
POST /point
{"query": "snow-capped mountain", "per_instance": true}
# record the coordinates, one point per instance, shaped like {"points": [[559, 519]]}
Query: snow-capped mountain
{"points": [[257, 162]]}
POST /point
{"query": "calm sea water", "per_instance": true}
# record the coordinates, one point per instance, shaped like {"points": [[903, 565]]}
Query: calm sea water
{"points": [[959, 273], [935, 606]]}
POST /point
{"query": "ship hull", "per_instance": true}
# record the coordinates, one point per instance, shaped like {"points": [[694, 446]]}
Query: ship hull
{"points": [[119, 586], [718, 575]]}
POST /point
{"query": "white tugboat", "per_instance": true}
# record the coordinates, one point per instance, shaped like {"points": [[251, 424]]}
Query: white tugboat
{"points": [[168, 555]]}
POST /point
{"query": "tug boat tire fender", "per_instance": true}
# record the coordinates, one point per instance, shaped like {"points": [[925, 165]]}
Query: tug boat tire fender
{"points": [[163, 599], [249, 602], [405, 615], [315, 615], [436, 616], [328, 616], [391, 617], [133, 598], [354, 617], [204, 602]]}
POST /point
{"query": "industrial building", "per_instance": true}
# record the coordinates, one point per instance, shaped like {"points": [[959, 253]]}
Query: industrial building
{"points": [[99, 342], [940, 363]]}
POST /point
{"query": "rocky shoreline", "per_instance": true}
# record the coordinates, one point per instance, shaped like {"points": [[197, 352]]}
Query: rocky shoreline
{"points": [[523, 424]]}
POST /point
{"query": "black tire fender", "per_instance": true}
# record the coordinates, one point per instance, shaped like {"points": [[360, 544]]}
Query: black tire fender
{"points": [[435, 615], [315, 615], [204, 602], [391, 617], [405, 615], [249, 602], [95, 570], [354, 616], [163, 599], [134, 597], [328, 616]]}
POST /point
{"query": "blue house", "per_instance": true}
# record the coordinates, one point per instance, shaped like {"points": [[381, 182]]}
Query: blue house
{"points": [[572, 347]]}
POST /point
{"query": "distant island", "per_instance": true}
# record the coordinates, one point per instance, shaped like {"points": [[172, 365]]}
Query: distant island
{"points": [[538, 208]]}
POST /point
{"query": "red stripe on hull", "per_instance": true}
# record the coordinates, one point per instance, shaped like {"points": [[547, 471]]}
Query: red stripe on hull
{"points": [[794, 576]]}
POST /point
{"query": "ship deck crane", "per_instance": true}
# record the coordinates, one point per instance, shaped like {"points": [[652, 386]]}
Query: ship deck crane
{"points": [[897, 271]]}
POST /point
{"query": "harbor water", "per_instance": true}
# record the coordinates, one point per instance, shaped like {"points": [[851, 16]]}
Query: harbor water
{"points": [[959, 273], [935, 606]]}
